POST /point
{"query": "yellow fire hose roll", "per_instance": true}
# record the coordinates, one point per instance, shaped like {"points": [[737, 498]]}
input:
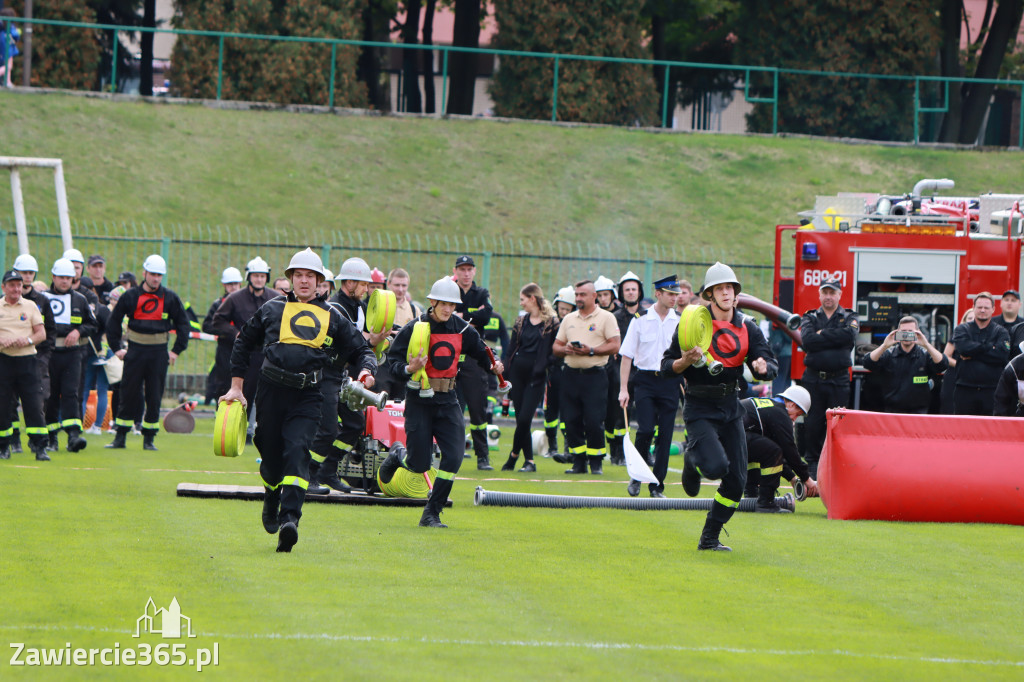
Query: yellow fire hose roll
{"points": [[419, 344], [407, 484], [380, 315], [229, 429], [695, 330]]}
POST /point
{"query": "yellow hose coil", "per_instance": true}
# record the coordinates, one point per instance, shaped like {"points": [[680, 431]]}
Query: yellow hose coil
{"points": [[229, 429], [405, 483], [419, 344], [380, 315], [695, 330]]}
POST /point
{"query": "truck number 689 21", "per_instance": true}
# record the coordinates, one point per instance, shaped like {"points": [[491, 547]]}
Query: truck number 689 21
{"points": [[814, 278]]}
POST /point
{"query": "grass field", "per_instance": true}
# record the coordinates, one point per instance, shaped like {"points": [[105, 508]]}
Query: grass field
{"points": [[325, 174], [514, 594]]}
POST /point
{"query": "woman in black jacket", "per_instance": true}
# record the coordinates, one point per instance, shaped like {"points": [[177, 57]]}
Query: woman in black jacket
{"points": [[529, 354]]}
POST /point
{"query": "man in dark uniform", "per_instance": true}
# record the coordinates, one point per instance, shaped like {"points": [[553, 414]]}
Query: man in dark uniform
{"points": [[475, 308], [984, 350], [152, 311], [716, 446], [586, 338], [219, 379], [657, 395], [21, 330], [1008, 399], [237, 309], [27, 267], [630, 293], [771, 447], [75, 324], [565, 303], [97, 279], [828, 335], [300, 335], [436, 417], [82, 286], [339, 427], [614, 420], [909, 365], [1009, 318]]}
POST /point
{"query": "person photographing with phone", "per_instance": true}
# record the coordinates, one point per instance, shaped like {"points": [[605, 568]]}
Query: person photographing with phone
{"points": [[909, 364]]}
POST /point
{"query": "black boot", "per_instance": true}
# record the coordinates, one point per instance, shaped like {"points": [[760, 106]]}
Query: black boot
{"points": [[5, 452], [766, 502], [392, 463], [484, 464], [709, 537], [552, 434], [596, 465], [16, 443], [75, 441], [562, 457], [528, 467], [435, 505], [314, 487], [329, 476], [288, 536], [51, 443], [271, 507], [147, 441], [579, 465], [119, 437], [616, 453], [40, 453], [510, 464]]}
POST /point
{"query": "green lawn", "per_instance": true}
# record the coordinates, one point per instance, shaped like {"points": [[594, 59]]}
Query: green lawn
{"points": [[502, 594]]}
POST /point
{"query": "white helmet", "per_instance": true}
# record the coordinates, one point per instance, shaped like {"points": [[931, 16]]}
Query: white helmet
{"points": [[354, 269], [258, 265], [798, 395], [25, 263], [566, 295], [74, 255], [329, 277], [306, 260], [719, 273], [630, 276], [62, 267], [231, 276], [445, 289], [602, 283], [155, 264]]}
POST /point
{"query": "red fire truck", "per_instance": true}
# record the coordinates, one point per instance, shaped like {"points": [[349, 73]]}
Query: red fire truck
{"points": [[915, 254]]}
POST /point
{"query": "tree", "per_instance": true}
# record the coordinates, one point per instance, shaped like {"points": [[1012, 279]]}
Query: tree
{"points": [[592, 91], [62, 57], [699, 31], [860, 36], [984, 58], [263, 70]]}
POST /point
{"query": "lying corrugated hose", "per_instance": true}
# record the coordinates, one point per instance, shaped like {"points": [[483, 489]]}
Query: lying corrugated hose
{"points": [[499, 499]]}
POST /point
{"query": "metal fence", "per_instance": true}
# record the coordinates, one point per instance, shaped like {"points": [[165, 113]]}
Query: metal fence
{"points": [[923, 92], [197, 254]]}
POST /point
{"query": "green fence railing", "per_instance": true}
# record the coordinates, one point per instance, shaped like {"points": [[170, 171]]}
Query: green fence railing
{"points": [[196, 255], [768, 95]]}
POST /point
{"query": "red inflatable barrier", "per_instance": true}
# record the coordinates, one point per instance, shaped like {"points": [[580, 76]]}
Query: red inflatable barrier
{"points": [[904, 467]]}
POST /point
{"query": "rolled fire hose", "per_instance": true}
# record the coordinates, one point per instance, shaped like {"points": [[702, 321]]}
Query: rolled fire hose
{"points": [[380, 315], [405, 483], [229, 429], [696, 330], [419, 344], [496, 499]]}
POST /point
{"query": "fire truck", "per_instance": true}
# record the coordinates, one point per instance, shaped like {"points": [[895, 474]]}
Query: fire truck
{"points": [[917, 254]]}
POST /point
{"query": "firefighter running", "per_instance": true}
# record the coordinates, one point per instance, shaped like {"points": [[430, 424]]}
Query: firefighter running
{"points": [[716, 447], [437, 417], [300, 335]]}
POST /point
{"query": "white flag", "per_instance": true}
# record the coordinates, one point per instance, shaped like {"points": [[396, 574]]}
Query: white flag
{"points": [[635, 464]]}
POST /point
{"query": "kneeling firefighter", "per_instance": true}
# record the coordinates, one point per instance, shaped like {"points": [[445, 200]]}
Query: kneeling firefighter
{"points": [[716, 447], [435, 414], [300, 335]]}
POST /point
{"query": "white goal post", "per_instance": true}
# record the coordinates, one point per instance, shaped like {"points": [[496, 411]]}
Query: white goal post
{"points": [[15, 164]]}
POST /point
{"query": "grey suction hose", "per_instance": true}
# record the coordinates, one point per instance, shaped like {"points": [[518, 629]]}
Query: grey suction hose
{"points": [[497, 499]]}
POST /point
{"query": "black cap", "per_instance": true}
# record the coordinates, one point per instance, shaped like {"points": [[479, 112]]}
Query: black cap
{"points": [[670, 284], [97, 258], [1011, 292], [126, 277], [464, 260], [831, 284], [13, 275]]}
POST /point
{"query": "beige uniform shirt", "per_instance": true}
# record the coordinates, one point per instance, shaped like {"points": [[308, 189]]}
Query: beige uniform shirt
{"points": [[592, 331], [404, 313], [18, 320]]}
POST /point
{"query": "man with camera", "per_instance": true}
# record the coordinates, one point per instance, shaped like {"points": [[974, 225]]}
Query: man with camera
{"points": [[909, 364]]}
